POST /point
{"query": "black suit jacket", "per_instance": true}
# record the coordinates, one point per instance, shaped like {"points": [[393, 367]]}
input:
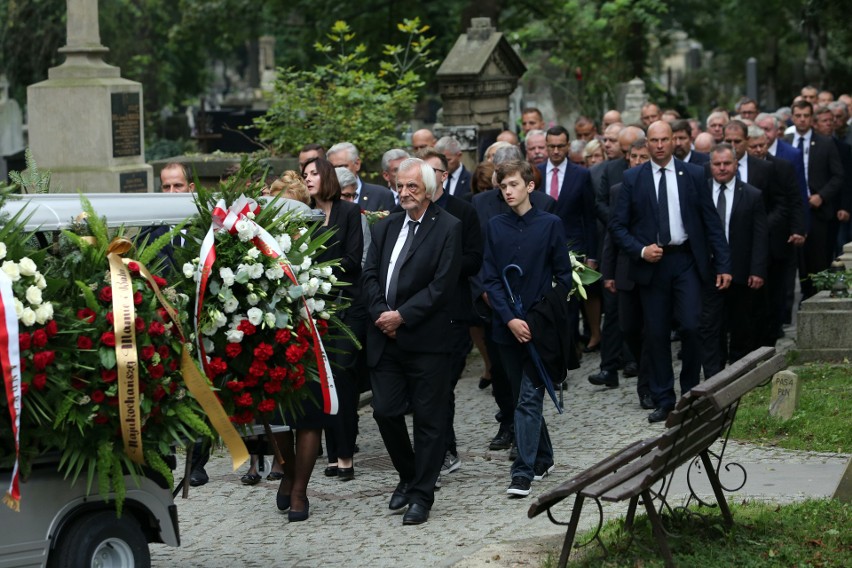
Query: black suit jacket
{"points": [[347, 244], [787, 180], [576, 208], [777, 202], [825, 175], [615, 264], [698, 158], [427, 279], [845, 151], [463, 185], [747, 232], [611, 175], [375, 198]]}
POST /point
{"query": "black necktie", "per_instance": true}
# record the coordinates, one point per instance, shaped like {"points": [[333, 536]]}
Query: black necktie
{"points": [[412, 227], [663, 203], [802, 144], [447, 184], [721, 205]]}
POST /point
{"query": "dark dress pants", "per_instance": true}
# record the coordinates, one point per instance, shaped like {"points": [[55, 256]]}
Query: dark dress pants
{"points": [[461, 347], [632, 322], [613, 349], [423, 379], [500, 384], [674, 292]]}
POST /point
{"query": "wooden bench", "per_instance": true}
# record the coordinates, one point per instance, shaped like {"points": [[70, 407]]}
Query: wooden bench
{"points": [[702, 416]]}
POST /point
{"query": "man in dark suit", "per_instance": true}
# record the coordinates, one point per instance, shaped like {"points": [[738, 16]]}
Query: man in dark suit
{"points": [[458, 177], [614, 170], [737, 310], [369, 196], [683, 151], [411, 273], [824, 124], [824, 174], [666, 223]]}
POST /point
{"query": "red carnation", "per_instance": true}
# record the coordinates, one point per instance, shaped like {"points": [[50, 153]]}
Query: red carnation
{"points": [[110, 318], [101, 419], [137, 297], [84, 342], [243, 417], [156, 329], [282, 336], [302, 330], [86, 314], [293, 354], [39, 338], [266, 406], [272, 387], [164, 314], [233, 349], [235, 386], [161, 282], [159, 393], [43, 359], [98, 396], [164, 351], [278, 373], [156, 371], [244, 399], [263, 351], [246, 327], [140, 325], [217, 366], [147, 352], [108, 338], [105, 294], [39, 381], [133, 267], [51, 328], [109, 375], [24, 341], [173, 365], [257, 369]]}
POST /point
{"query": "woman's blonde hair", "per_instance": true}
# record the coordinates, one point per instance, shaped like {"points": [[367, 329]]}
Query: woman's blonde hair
{"points": [[292, 185]]}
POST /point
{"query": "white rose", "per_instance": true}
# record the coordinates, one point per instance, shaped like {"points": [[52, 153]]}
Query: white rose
{"points": [[252, 299], [255, 316], [255, 271], [188, 270], [284, 242], [34, 295], [254, 252], [11, 269], [44, 313], [269, 319], [234, 335], [40, 282], [19, 308], [27, 267], [2, 251], [230, 305], [227, 276], [28, 316], [245, 230], [326, 271], [313, 286]]}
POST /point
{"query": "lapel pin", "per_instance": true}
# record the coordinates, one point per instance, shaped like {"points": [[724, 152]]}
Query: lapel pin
{"points": [[680, 173]]}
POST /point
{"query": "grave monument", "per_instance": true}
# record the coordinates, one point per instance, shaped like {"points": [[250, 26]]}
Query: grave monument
{"points": [[85, 121], [11, 127]]}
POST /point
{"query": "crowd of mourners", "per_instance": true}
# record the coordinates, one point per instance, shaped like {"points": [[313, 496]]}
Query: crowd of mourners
{"points": [[700, 231]]}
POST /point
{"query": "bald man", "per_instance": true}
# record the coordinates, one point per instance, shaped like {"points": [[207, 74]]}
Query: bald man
{"points": [[421, 139]]}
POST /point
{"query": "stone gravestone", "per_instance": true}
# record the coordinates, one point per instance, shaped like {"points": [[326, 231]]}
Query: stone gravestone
{"points": [[11, 127], [785, 395], [634, 98], [85, 121]]}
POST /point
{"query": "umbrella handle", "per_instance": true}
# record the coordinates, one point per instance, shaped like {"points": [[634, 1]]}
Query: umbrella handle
{"points": [[506, 279]]}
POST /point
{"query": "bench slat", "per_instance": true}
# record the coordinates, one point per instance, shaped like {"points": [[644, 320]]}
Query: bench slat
{"points": [[730, 373], [733, 392]]}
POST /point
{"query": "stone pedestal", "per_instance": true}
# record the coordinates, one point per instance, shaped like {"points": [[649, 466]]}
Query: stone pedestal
{"points": [[824, 330], [85, 121], [634, 98]]}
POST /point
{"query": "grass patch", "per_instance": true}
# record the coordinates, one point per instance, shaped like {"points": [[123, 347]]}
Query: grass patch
{"points": [[822, 422], [810, 533]]}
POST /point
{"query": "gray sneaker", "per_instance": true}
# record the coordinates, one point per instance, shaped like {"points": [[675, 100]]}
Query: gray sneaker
{"points": [[451, 463]]}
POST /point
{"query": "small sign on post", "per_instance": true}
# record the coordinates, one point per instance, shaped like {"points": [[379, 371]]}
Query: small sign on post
{"points": [[785, 395]]}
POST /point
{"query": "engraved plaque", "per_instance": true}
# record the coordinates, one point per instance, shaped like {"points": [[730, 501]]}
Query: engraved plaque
{"points": [[126, 125], [133, 182]]}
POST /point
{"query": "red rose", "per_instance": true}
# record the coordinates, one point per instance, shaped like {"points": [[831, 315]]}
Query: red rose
{"points": [[133, 267], [84, 342], [246, 327], [51, 328], [98, 396], [164, 314], [257, 369], [109, 375], [156, 371], [105, 294], [43, 359], [282, 336], [137, 297], [272, 387], [25, 388], [24, 341], [39, 338], [266, 406], [161, 282], [235, 386], [159, 393], [263, 351], [244, 399], [86, 314], [140, 325], [156, 329], [217, 366], [147, 352], [39, 381], [108, 338], [233, 349], [101, 419], [110, 318], [164, 351], [293, 354], [173, 364]]}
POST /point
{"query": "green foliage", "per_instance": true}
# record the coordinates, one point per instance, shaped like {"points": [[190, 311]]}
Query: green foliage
{"points": [[32, 180], [822, 422], [344, 99], [826, 279]]}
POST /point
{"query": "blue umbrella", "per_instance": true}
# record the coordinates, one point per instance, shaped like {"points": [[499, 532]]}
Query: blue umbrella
{"points": [[518, 309]]}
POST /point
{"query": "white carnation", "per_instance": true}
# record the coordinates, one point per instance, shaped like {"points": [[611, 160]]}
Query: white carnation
{"points": [[230, 305], [306, 264], [284, 242], [219, 319], [188, 270], [34, 295], [2, 251], [227, 276], [255, 316], [44, 313], [234, 335], [28, 316], [11, 269], [325, 287], [252, 299], [255, 271], [246, 230], [27, 267], [275, 273], [254, 252]]}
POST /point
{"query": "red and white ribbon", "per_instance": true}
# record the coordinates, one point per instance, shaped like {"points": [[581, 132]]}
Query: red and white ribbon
{"points": [[226, 218], [10, 359]]}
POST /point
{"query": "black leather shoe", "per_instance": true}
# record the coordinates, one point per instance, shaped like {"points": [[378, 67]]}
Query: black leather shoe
{"points": [[659, 415], [346, 473], [399, 499], [198, 477], [502, 441], [416, 514], [646, 402], [608, 379], [592, 348], [331, 471], [298, 516], [631, 370]]}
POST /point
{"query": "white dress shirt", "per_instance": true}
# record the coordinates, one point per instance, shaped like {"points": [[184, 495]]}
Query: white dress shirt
{"points": [[729, 203], [678, 231]]}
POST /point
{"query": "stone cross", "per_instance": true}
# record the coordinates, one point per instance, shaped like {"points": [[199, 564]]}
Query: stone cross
{"points": [[785, 395], [83, 29], [83, 50]]}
